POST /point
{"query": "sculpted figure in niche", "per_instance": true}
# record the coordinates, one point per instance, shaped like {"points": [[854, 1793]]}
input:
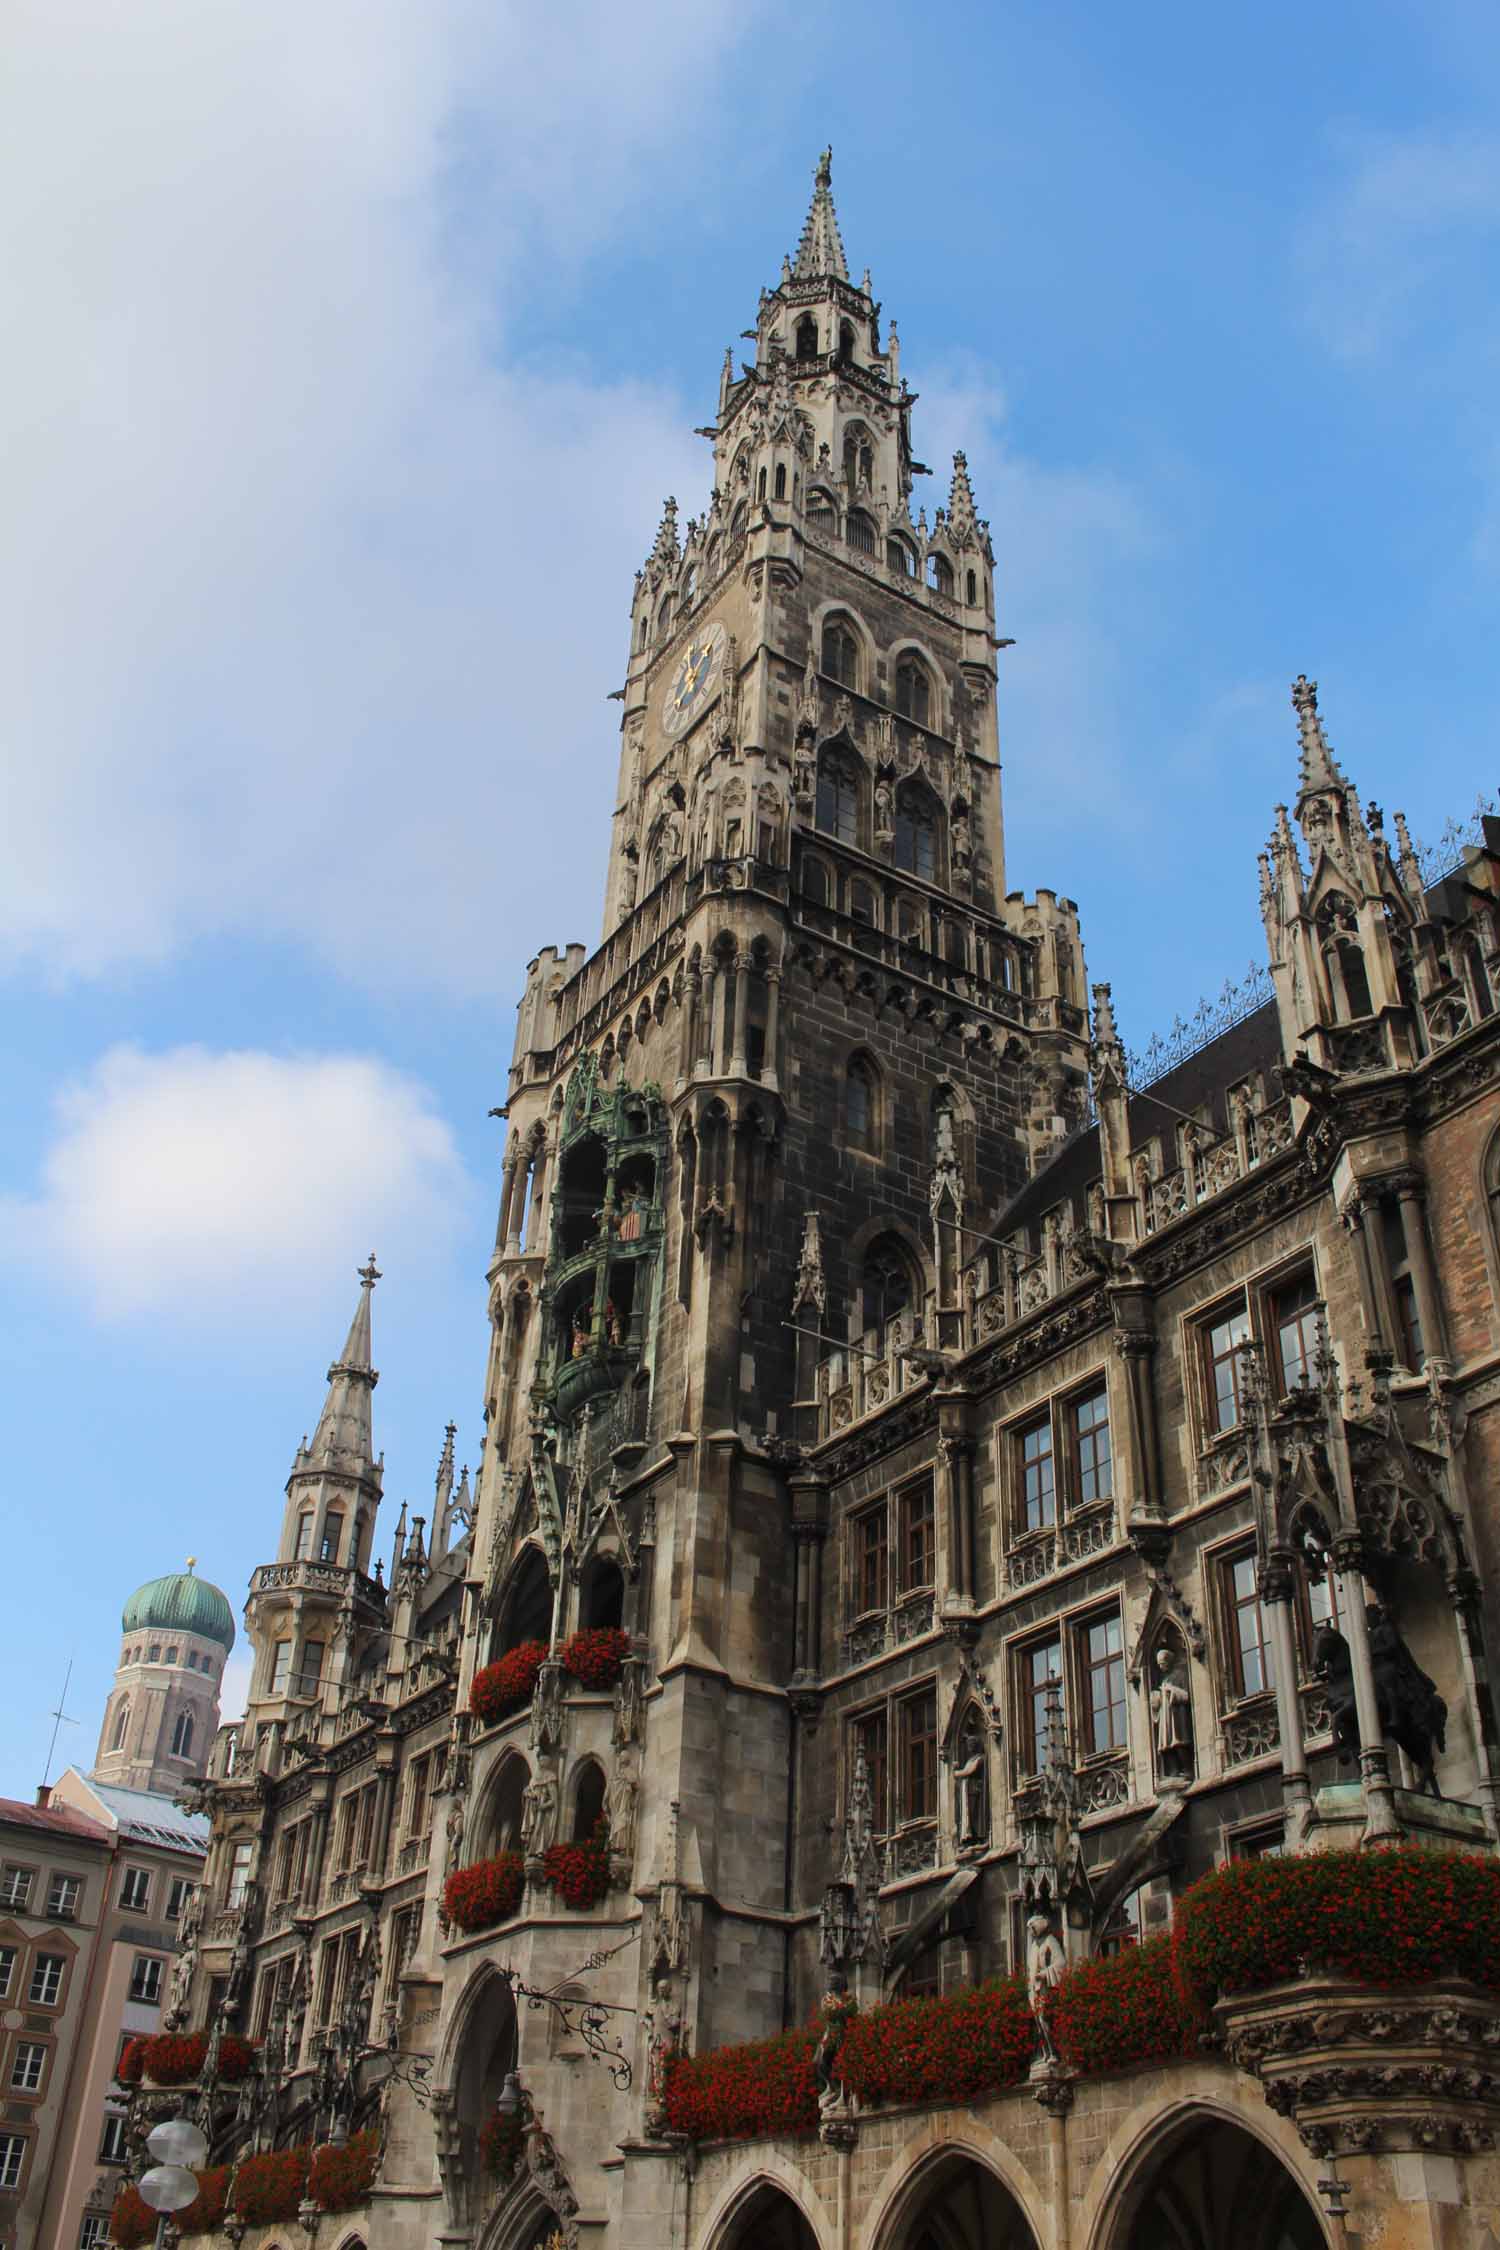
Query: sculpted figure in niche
{"points": [[1172, 1714], [539, 1813], [620, 1801], [971, 1808], [1044, 1967], [1412, 1712]]}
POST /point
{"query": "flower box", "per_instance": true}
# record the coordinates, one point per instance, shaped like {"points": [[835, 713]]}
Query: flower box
{"points": [[507, 1684], [595, 1655], [475, 1898]]}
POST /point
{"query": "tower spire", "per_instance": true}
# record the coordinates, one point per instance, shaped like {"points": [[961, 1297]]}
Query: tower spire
{"points": [[821, 251], [963, 520], [1319, 771], [343, 1435]]}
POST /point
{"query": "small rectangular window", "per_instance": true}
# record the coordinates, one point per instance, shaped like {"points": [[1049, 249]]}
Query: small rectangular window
{"points": [[333, 1537], [94, 2233], [1038, 1475], [1409, 1340], [12, 2158], [135, 1889], [304, 1536], [7, 1969], [180, 1891], [1041, 1684], [918, 1536], [281, 1667], [15, 1889], [27, 2068], [239, 1875], [1250, 1656], [63, 1894], [46, 1980], [1104, 1683], [416, 1808], [1091, 1448], [1294, 1321], [871, 1561], [112, 2140], [145, 1979], [1221, 1353], [919, 1756]]}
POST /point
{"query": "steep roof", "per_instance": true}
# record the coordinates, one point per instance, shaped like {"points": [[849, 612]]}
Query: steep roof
{"points": [[53, 1820]]}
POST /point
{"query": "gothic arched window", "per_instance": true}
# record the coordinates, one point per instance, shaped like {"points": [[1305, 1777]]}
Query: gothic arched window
{"points": [[838, 796], [664, 619], [815, 882], [913, 690], [122, 1721], [806, 337], [780, 485], [886, 1285], [899, 558], [840, 653], [861, 533], [915, 848], [846, 339], [940, 575], [971, 589], [860, 1103], [822, 514], [859, 458], [588, 1800], [1343, 957], [182, 1735]]}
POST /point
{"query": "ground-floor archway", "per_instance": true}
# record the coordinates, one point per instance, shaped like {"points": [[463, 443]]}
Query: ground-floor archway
{"points": [[769, 2220], [1212, 2185], [958, 2203]]}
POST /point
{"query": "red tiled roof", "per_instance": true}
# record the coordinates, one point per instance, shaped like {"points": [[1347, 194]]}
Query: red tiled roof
{"points": [[55, 1820]]}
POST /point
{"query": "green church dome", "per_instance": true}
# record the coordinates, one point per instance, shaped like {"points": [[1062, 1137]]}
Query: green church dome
{"points": [[180, 1603]]}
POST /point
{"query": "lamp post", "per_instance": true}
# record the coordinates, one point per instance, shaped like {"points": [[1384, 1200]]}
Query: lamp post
{"points": [[171, 2184]]}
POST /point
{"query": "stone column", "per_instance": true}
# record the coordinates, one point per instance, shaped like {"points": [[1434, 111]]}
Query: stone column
{"points": [[1136, 1346], [1374, 1769], [1379, 1325], [773, 1011], [741, 1016], [503, 1229], [1276, 1586], [957, 1456], [712, 999], [1411, 1189], [687, 1050], [809, 1533]]}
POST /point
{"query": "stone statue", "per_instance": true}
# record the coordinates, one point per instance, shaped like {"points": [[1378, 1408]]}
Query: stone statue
{"points": [[1412, 1712], [1044, 1967], [620, 1802], [962, 849], [1172, 1715], [1331, 1662], [971, 1789], [453, 1849], [185, 1966], [885, 805], [538, 1813]]}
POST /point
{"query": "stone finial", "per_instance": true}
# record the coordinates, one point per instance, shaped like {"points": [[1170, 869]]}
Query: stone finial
{"points": [[1410, 866], [666, 549], [963, 521], [810, 1288], [820, 253]]}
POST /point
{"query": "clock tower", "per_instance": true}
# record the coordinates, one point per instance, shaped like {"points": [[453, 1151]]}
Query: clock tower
{"points": [[745, 1194]]}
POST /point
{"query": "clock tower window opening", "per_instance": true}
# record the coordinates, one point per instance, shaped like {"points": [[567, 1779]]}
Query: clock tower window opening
{"points": [[838, 796], [840, 653], [913, 690], [806, 337]]}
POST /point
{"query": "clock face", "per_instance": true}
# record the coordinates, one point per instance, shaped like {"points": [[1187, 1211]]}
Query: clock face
{"points": [[695, 680]]}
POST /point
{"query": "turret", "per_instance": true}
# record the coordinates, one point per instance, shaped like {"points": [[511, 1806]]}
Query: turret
{"points": [[163, 1710], [328, 1529]]}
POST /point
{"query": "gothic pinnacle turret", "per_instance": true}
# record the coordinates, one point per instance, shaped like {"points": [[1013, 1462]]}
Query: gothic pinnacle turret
{"points": [[343, 1437], [1319, 770], [821, 251]]}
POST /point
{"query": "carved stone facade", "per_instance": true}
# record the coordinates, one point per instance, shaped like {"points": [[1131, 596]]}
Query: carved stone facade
{"points": [[890, 1404]]}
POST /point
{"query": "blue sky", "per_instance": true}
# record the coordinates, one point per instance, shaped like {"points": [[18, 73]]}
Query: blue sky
{"points": [[351, 352]]}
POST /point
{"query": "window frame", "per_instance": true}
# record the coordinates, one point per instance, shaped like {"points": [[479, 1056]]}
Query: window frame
{"points": [[1058, 1415], [64, 1909], [113, 2127], [839, 771], [146, 1971], [13, 2150], [1223, 1562], [902, 1727], [1030, 1696], [1112, 1663], [134, 1894], [41, 1964], [24, 2053], [16, 1881], [9, 1956]]}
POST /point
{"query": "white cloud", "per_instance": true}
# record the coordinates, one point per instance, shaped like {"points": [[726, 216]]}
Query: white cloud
{"points": [[234, 1684], [1071, 546], [1387, 252], [307, 572], [187, 1179]]}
